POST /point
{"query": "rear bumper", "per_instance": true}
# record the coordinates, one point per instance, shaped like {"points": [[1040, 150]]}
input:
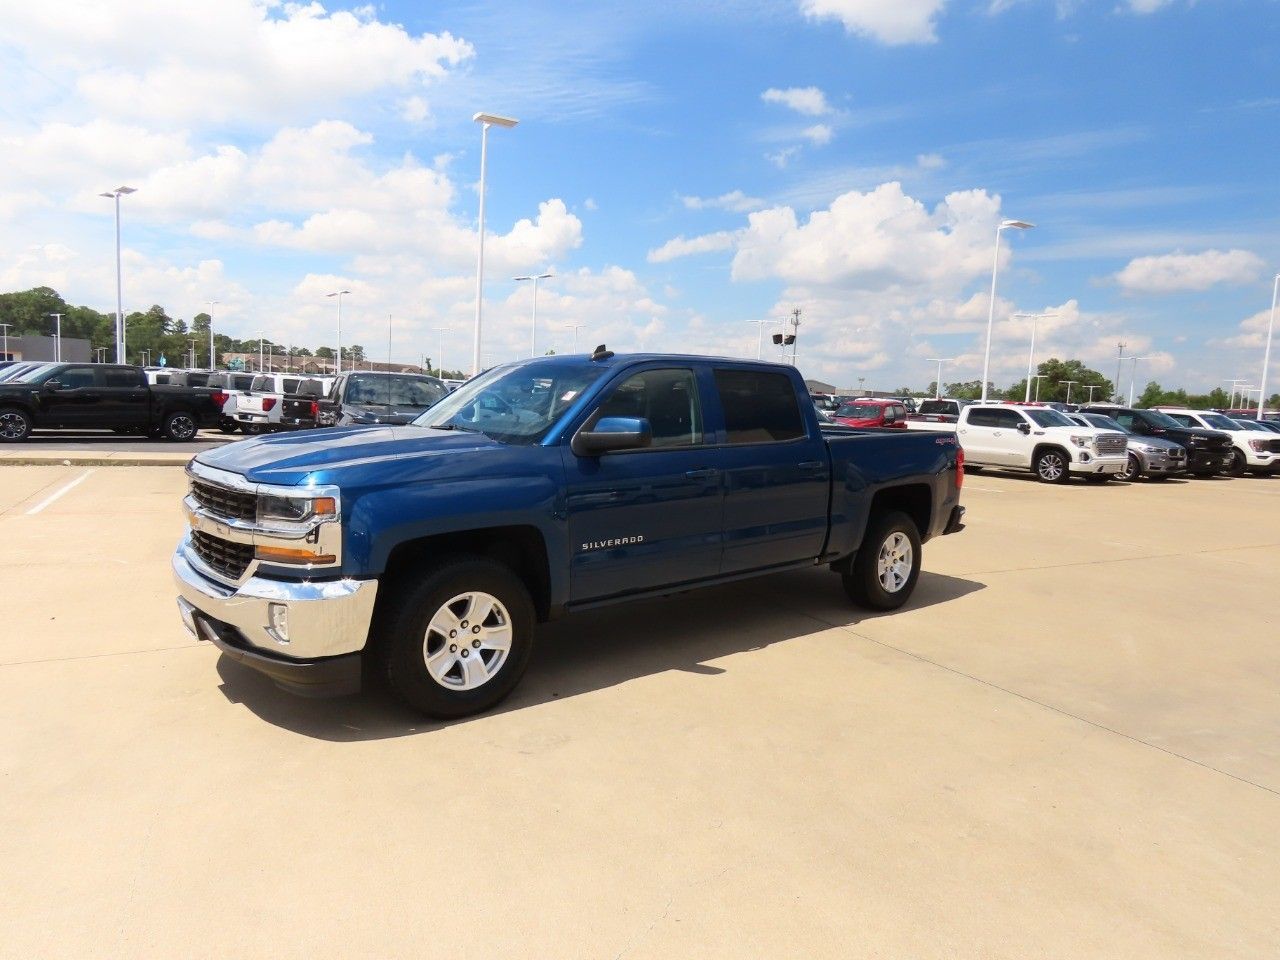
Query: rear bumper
{"points": [[955, 523]]}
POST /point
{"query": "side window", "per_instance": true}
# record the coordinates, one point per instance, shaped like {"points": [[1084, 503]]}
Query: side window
{"points": [[1007, 419], [982, 418], [74, 378], [668, 399], [1128, 421], [290, 384], [1183, 419], [758, 407], [121, 378]]}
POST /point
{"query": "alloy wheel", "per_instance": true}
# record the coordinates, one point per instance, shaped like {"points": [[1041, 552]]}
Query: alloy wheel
{"points": [[467, 641], [893, 565]]}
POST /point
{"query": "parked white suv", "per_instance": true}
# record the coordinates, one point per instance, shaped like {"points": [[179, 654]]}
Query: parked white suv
{"points": [[1253, 451], [1041, 440]]}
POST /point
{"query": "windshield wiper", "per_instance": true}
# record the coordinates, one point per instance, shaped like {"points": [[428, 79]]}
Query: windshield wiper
{"points": [[455, 426]]}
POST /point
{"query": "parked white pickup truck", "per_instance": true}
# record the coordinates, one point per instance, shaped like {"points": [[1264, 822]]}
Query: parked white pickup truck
{"points": [[260, 407], [1255, 452], [1034, 438]]}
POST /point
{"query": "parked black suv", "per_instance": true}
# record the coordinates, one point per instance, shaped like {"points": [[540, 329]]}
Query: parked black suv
{"points": [[1208, 451], [372, 397]]}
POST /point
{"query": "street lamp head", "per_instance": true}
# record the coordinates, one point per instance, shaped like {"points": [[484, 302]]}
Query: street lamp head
{"points": [[1016, 224], [337, 293], [494, 120]]}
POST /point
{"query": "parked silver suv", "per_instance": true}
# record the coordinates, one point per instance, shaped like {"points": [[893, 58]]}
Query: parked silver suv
{"points": [[1148, 456]]}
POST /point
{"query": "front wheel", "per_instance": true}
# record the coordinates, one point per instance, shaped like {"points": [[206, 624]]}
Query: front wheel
{"points": [[887, 566], [1237, 465], [1052, 466], [456, 640], [179, 426], [15, 425], [1132, 469]]}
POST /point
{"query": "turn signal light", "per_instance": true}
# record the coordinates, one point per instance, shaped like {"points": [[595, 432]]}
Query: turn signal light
{"points": [[959, 468], [292, 555], [324, 506]]}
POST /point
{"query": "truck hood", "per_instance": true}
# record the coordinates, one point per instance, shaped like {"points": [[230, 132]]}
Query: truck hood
{"points": [[1159, 442], [290, 458]]}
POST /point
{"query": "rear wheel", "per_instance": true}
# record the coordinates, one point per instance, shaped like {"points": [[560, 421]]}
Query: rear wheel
{"points": [[179, 426], [457, 640], [228, 426], [1052, 466], [15, 425], [887, 566], [1132, 469]]}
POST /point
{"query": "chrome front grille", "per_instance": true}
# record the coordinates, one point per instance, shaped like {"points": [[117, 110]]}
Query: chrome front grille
{"points": [[1112, 444], [224, 502], [224, 556]]}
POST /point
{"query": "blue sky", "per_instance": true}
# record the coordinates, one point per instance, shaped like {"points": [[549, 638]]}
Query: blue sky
{"points": [[682, 170]]}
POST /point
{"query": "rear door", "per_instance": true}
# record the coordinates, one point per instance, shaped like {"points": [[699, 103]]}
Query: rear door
{"points": [[976, 433], [646, 518], [126, 398], [777, 474]]}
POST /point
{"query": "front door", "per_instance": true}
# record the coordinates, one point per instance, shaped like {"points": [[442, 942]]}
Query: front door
{"points": [[75, 401], [646, 518]]}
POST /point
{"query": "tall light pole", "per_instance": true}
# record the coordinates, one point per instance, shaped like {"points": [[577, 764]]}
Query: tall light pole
{"points": [[759, 335], [213, 359], [1092, 387], [1119, 364], [1031, 357], [1070, 384], [99, 354], [533, 327], [339, 294], [575, 327], [1133, 376], [4, 354], [117, 193], [1231, 403], [1266, 357], [937, 384], [57, 336], [991, 311], [192, 351], [440, 332], [486, 120], [1038, 378]]}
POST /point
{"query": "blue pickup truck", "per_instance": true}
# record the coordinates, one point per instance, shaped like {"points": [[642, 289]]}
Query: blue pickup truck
{"points": [[425, 554]]}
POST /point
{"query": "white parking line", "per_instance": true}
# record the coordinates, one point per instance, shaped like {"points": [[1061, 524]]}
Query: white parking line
{"points": [[61, 491]]}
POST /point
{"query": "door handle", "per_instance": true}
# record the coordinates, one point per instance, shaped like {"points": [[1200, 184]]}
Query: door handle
{"points": [[811, 465], [90, 396], [701, 474]]}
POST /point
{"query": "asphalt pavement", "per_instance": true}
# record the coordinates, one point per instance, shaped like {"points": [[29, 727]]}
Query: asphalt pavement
{"points": [[101, 441]]}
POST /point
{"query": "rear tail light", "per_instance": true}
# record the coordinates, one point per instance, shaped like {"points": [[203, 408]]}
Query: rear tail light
{"points": [[959, 467], [315, 410], [268, 403], [220, 398]]}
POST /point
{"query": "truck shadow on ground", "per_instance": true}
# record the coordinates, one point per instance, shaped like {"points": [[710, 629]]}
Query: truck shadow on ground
{"points": [[599, 649], [1023, 476]]}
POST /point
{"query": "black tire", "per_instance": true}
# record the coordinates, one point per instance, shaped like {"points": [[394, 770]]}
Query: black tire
{"points": [[404, 639], [1158, 477], [1239, 463], [1052, 466], [15, 425], [1132, 470], [228, 426], [180, 427], [863, 582]]}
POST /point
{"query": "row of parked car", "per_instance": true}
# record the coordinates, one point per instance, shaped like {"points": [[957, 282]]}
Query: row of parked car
{"points": [[1099, 442]]}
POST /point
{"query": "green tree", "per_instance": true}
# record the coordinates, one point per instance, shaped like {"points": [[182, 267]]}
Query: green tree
{"points": [[969, 390], [324, 353]]}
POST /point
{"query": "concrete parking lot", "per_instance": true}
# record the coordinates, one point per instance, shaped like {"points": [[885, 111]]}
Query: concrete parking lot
{"points": [[1068, 745]]}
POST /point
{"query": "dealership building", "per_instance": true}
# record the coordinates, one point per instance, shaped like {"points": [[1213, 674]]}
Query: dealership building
{"points": [[44, 348]]}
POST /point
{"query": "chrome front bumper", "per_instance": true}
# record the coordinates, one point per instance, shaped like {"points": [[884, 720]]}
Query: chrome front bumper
{"points": [[282, 619]]}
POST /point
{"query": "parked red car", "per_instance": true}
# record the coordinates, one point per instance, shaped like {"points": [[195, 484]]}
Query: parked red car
{"points": [[869, 412]]}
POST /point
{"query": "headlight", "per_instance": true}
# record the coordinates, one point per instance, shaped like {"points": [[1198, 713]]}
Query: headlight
{"points": [[1147, 448], [277, 509], [1259, 446], [1082, 441]]}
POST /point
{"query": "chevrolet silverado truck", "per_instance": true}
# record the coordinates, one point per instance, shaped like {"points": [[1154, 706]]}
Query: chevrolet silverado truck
{"points": [[102, 396], [425, 554]]}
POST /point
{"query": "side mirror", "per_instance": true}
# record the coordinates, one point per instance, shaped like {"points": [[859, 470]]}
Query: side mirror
{"points": [[610, 434], [51, 385], [1024, 428]]}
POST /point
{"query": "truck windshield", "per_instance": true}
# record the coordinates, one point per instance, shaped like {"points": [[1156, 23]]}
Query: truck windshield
{"points": [[394, 390], [1218, 421], [1162, 420], [1048, 418], [938, 406], [1104, 423], [515, 404]]}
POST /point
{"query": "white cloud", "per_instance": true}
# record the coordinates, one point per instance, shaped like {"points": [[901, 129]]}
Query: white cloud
{"points": [[1146, 6], [819, 134], [781, 158], [1177, 272], [930, 161], [681, 247], [415, 109], [735, 201], [889, 21], [810, 101], [206, 61]]}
